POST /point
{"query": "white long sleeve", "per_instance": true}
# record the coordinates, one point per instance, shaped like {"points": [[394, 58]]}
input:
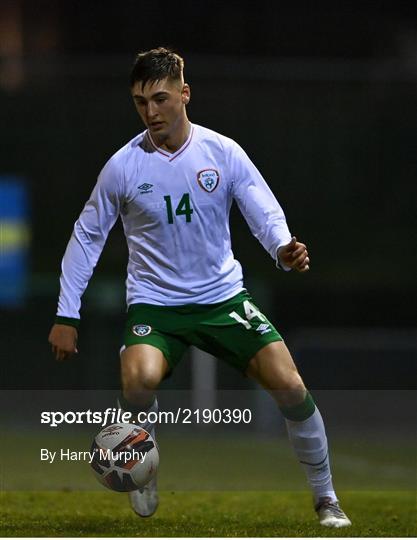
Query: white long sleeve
{"points": [[87, 240], [257, 203]]}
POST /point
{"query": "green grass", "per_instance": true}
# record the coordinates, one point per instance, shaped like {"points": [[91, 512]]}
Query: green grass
{"points": [[202, 514], [210, 486], [219, 463]]}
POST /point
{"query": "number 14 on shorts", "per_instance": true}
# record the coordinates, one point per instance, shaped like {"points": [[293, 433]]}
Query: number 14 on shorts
{"points": [[251, 312]]}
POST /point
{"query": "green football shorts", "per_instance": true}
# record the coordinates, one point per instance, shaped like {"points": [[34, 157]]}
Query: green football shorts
{"points": [[233, 330]]}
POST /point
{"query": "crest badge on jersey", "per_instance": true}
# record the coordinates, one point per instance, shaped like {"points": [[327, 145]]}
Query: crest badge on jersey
{"points": [[208, 179], [141, 330]]}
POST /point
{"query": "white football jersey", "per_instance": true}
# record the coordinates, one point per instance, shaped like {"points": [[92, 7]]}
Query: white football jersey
{"points": [[175, 213]]}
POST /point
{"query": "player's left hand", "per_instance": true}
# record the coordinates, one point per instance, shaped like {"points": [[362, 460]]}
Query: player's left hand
{"points": [[294, 255]]}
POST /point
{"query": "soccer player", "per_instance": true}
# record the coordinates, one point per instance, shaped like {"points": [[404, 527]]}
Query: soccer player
{"points": [[173, 186]]}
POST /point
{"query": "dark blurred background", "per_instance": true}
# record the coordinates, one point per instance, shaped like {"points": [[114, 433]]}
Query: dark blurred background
{"points": [[323, 98]]}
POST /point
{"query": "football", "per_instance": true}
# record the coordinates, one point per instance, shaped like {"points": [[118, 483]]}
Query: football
{"points": [[125, 457]]}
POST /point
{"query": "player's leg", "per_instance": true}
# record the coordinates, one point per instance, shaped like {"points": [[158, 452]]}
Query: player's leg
{"points": [[273, 367], [143, 367], [151, 350], [149, 353], [238, 332]]}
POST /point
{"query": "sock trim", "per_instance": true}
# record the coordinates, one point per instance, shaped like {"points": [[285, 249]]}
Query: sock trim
{"points": [[300, 412]]}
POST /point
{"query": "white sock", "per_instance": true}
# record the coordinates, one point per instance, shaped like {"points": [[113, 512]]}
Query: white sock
{"points": [[148, 426], [309, 441]]}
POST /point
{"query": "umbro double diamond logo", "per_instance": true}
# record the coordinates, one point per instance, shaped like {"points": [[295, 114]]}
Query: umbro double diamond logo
{"points": [[263, 329], [145, 188]]}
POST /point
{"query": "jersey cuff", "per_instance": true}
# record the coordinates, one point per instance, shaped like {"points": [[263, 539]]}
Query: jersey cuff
{"points": [[280, 265], [69, 321]]}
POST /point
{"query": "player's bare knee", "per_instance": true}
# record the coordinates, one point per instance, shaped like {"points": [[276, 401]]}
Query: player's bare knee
{"points": [[291, 391], [140, 378], [137, 379]]}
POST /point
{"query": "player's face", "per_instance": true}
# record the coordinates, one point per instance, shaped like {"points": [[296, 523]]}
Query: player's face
{"points": [[161, 106]]}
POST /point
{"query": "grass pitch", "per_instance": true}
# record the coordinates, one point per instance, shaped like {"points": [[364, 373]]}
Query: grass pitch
{"points": [[210, 487], [203, 514]]}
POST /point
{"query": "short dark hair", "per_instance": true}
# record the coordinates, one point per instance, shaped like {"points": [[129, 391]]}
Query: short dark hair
{"points": [[156, 65]]}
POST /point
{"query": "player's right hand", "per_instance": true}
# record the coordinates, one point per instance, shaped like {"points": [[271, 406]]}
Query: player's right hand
{"points": [[63, 339]]}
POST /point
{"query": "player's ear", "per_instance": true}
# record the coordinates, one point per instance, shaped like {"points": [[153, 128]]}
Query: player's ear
{"points": [[186, 94]]}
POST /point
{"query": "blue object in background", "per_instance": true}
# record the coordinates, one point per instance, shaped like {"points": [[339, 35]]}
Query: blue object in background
{"points": [[14, 241]]}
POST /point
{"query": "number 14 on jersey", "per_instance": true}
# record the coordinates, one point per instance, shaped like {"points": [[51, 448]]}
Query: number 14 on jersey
{"points": [[183, 208]]}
